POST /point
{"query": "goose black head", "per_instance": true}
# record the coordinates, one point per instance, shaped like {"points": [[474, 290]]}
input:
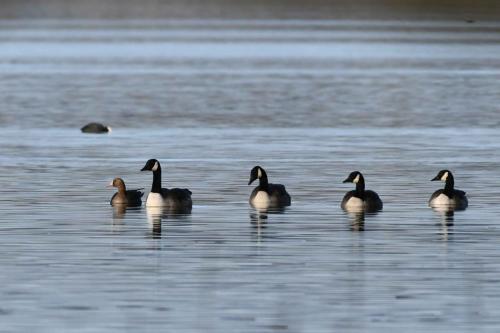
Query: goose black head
{"points": [[442, 175], [151, 165], [256, 173], [354, 177]]}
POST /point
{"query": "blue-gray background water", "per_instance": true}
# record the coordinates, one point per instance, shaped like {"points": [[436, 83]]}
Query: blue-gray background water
{"points": [[310, 101]]}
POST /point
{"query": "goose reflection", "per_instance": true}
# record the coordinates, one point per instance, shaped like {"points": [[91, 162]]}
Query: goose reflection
{"points": [[119, 213], [259, 217], [159, 213], [357, 218], [446, 215], [154, 220]]}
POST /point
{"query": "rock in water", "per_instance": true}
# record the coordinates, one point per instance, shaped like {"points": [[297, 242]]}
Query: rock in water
{"points": [[95, 128]]}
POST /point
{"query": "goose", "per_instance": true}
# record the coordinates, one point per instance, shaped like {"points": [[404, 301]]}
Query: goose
{"points": [[130, 198], [175, 200], [267, 195], [449, 196], [360, 200]]}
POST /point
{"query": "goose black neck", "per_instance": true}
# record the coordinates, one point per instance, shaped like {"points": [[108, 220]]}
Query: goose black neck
{"points": [[360, 187], [156, 187], [263, 183], [449, 185]]}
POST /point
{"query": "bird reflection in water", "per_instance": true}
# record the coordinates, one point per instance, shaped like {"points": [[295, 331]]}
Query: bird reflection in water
{"points": [[357, 216], [119, 215], [446, 215], [357, 220], [157, 214], [259, 218]]}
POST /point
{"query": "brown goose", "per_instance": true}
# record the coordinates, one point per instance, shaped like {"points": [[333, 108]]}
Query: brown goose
{"points": [[129, 198]]}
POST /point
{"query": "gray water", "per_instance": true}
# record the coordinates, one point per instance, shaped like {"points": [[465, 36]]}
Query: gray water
{"points": [[309, 101]]}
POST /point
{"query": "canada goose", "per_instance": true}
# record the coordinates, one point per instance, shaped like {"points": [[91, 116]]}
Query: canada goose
{"points": [[175, 199], [267, 195], [449, 196], [360, 199], [130, 198]]}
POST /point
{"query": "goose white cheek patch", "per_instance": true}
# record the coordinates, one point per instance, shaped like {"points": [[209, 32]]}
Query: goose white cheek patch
{"points": [[155, 167], [356, 180], [259, 173], [444, 177]]}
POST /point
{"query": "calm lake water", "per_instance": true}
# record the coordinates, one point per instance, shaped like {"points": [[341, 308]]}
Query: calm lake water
{"points": [[309, 101]]}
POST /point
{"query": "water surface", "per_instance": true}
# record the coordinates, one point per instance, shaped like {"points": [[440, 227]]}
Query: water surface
{"points": [[309, 101]]}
